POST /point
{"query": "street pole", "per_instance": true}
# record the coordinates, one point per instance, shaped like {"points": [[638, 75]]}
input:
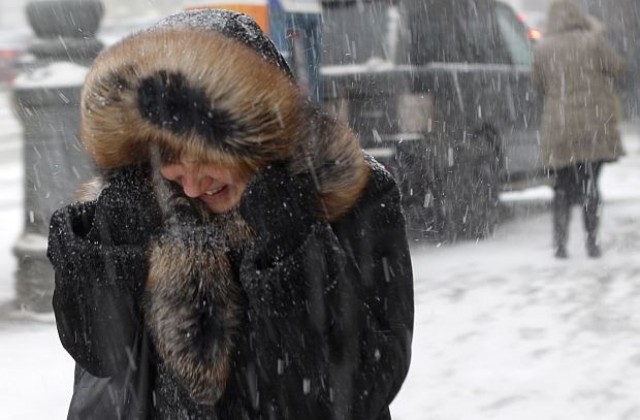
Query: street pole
{"points": [[46, 98]]}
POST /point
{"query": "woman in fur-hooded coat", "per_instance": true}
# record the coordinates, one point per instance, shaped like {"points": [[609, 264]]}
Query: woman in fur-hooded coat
{"points": [[295, 304]]}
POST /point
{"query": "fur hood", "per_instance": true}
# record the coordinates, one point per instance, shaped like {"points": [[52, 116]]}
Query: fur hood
{"points": [[566, 16], [209, 82]]}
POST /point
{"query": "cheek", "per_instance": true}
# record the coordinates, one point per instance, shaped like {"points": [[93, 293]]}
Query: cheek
{"points": [[241, 186], [237, 178], [236, 194], [241, 180]]}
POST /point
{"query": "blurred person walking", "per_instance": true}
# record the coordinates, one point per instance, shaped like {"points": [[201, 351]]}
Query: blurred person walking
{"points": [[241, 258], [574, 69]]}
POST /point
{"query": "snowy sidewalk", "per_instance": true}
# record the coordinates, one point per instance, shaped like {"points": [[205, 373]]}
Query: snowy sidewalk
{"points": [[505, 331]]}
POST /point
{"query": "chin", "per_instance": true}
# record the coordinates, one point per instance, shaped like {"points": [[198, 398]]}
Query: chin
{"points": [[219, 208]]}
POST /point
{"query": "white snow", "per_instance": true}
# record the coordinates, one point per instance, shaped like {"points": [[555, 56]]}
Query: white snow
{"points": [[503, 330], [54, 75]]}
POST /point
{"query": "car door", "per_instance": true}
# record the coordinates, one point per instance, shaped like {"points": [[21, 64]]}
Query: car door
{"points": [[522, 153]]}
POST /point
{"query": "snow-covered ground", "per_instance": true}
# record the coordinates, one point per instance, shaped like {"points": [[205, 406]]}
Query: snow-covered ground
{"points": [[503, 330]]}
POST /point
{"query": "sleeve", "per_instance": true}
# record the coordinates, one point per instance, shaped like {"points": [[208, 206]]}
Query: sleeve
{"points": [[382, 276], [94, 301], [333, 322], [611, 63]]}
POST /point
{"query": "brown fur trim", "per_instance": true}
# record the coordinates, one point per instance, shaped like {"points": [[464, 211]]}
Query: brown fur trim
{"points": [[264, 103], [90, 190], [193, 305], [332, 152]]}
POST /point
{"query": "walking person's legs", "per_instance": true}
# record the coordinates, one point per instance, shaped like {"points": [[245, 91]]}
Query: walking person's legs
{"points": [[562, 211], [589, 174]]}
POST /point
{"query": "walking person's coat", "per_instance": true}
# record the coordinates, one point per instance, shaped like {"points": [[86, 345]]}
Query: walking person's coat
{"points": [[574, 69], [296, 304]]}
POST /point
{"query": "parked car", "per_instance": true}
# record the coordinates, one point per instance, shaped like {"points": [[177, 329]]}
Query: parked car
{"points": [[439, 92], [13, 50]]}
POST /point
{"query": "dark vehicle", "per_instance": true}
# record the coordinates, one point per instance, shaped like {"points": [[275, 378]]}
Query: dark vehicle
{"points": [[439, 92]]}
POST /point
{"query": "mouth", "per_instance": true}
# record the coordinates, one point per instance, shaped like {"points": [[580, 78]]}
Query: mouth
{"points": [[214, 192], [215, 195]]}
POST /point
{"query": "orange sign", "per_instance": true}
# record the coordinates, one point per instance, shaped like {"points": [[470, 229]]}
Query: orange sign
{"points": [[258, 10]]}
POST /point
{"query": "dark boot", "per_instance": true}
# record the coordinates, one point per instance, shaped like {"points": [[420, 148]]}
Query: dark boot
{"points": [[561, 218], [591, 209], [593, 249], [591, 215]]}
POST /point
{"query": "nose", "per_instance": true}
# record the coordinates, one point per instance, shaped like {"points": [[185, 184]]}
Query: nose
{"points": [[194, 183]]}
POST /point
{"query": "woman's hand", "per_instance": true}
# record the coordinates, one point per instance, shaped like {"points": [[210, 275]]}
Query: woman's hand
{"points": [[281, 209], [104, 241], [127, 211]]}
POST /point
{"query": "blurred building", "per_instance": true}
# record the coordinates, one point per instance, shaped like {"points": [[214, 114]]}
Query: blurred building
{"points": [[12, 12], [119, 10]]}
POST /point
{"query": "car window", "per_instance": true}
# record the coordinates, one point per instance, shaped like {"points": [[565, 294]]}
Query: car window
{"points": [[358, 31], [413, 31], [514, 34], [454, 31]]}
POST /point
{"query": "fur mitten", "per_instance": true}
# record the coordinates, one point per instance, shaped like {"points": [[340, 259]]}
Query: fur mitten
{"points": [[281, 209], [127, 211]]}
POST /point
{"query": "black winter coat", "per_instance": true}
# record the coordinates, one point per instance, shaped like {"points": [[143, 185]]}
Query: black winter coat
{"points": [[362, 262]]}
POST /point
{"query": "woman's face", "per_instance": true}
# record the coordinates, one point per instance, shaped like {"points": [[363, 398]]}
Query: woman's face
{"points": [[220, 187]]}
